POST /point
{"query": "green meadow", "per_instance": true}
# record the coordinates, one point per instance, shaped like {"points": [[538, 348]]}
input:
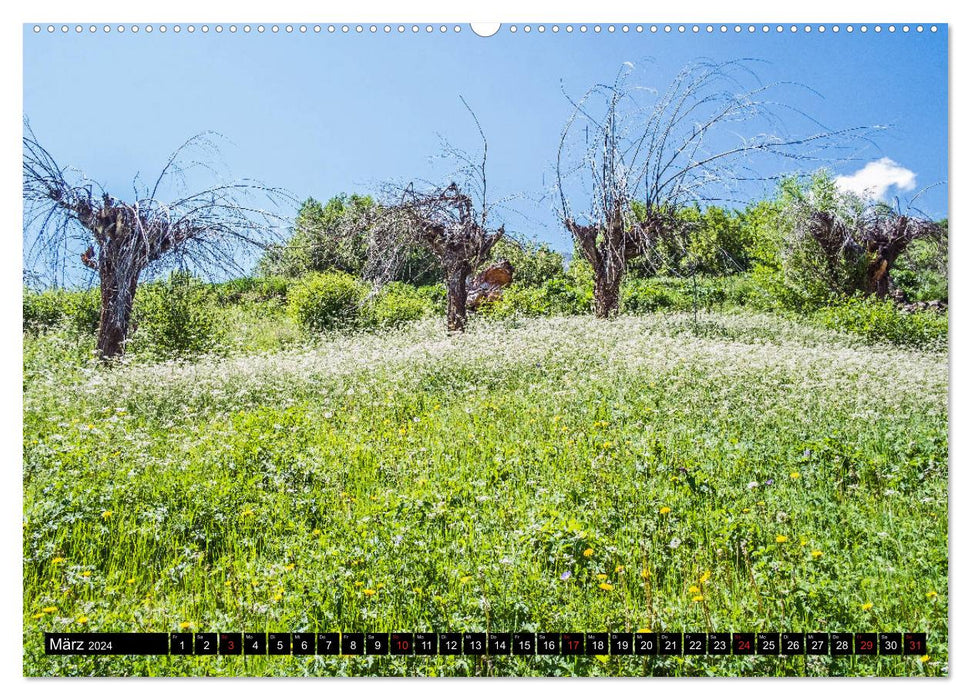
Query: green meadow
{"points": [[730, 471]]}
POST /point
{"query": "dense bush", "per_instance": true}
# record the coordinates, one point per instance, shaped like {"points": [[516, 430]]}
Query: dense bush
{"points": [[883, 321], [436, 294], [333, 237], [555, 296], [174, 318], [532, 263], [684, 293], [78, 310], [251, 289], [640, 296], [397, 303], [325, 237], [921, 272], [326, 300]]}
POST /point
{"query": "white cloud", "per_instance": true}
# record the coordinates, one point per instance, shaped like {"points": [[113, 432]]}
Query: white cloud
{"points": [[876, 177]]}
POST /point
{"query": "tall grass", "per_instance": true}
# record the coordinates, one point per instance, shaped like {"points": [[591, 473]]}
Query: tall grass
{"points": [[556, 474]]}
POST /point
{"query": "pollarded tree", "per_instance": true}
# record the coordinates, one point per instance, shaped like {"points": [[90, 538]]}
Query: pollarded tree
{"points": [[124, 238], [843, 244], [639, 165], [443, 220]]}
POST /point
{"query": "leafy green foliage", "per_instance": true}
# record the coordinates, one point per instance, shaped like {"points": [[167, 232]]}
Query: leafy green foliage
{"points": [[333, 237], [324, 238], [554, 296], [882, 321], [78, 310], [686, 293], [174, 318], [398, 303], [533, 263], [713, 241], [921, 272], [251, 290], [324, 300]]}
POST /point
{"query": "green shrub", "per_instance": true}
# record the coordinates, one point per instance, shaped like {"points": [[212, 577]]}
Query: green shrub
{"points": [[742, 290], [883, 321], [398, 303], [567, 297], [921, 271], [326, 300], [436, 295], [517, 299], [251, 289], [80, 310], [532, 263], [647, 295], [554, 296], [174, 318]]}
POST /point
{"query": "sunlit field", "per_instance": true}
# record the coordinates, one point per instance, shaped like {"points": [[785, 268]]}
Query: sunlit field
{"points": [[741, 472]]}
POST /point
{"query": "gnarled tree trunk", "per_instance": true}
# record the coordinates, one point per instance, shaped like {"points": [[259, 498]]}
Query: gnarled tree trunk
{"points": [[455, 275], [606, 292], [118, 273], [606, 249]]}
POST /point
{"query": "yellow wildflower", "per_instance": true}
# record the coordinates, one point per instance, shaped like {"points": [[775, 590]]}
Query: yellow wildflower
{"points": [[278, 597], [369, 591], [606, 586], [618, 569], [816, 553], [644, 629], [465, 579], [57, 560], [645, 573], [290, 566], [705, 576], [131, 580], [107, 514], [932, 594], [694, 589], [665, 510], [50, 610], [86, 574], [185, 625], [925, 658], [867, 606], [781, 538], [795, 475], [315, 532], [588, 552], [38, 616], [697, 599], [82, 620]]}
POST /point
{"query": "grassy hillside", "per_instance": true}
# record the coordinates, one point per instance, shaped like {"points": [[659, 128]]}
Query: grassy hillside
{"points": [[744, 473]]}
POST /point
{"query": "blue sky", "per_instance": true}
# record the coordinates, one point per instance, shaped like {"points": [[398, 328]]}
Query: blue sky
{"points": [[320, 114]]}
